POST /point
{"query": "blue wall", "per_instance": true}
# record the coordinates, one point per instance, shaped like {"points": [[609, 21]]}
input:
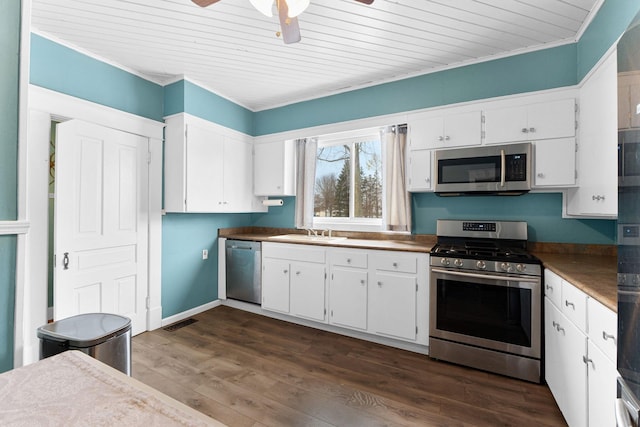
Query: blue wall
{"points": [[188, 281], [9, 95], [65, 70]]}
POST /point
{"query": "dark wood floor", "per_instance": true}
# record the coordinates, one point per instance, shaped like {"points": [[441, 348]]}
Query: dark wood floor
{"points": [[249, 370]]}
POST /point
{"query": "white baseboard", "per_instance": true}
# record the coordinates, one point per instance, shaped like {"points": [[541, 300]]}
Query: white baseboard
{"points": [[186, 314]]}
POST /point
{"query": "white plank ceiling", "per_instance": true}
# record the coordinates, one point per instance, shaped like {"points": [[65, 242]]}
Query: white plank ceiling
{"points": [[232, 49]]}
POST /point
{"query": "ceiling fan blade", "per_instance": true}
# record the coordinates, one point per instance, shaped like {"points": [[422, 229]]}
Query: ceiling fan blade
{"points": [[365, 1], [288, 26], [205, 3]]}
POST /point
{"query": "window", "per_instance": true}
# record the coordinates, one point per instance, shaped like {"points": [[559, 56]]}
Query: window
{"points": [[348, 182]]}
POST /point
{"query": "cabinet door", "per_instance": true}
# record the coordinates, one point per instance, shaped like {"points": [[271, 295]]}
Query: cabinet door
{"points": [[348, 297], [555, 119], [462, 129], [426, 131], [275, 285], [602, 388], [555, 163], [274, 168], [597, 157], [238, 176], [566, 372], [419, 164], [308, 290], [505, 125], [204, 170], [393, 305]]}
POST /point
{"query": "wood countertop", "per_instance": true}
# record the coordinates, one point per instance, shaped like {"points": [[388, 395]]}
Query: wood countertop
{"points": [[591, 268], [377, 241], [595, 275]]}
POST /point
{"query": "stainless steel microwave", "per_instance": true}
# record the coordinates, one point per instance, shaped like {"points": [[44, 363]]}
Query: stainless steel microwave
{"points": [[499, 169]]}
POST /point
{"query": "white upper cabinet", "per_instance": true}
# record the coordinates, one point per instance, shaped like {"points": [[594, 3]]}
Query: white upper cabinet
{"points": [[597, 157], [554, 163], [207, 168], [440, 129], [419, 170], [542, 120], [274, 168]]}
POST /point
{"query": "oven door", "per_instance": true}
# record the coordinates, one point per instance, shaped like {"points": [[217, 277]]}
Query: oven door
{"points": [[498, 312]]}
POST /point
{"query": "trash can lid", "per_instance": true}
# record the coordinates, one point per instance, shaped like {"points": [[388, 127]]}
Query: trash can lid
{"points": [[85, 330]]}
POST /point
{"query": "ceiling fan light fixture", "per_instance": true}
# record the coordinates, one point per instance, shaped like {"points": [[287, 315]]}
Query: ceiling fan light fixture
{"points": [[264, 6], [296, 7]]}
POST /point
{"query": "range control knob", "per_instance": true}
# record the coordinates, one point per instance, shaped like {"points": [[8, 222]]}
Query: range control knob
{"points": [[521, 267], [445, 261], [505, 266], [458, 262], [481, 265]]}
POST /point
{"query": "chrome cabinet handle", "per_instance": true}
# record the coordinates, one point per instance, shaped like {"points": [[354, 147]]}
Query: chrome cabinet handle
{"points": [[555, 324], [569, 304], [348, 260], [540, 175], [285, 271], [597, 197], [525, 130], [297, 273], [503, 166], [65, 261], [532, 130], [395, 265], [587, 361], [380, 284], [446, 138], [606, 336], [549, 287], [560, 328], [362, 281]]}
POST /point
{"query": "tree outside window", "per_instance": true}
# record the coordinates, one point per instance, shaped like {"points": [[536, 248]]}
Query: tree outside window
{"points": [[348, 180]]}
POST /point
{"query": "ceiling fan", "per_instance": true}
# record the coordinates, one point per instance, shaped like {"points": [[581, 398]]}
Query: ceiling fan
{"points": [[288, 11]]}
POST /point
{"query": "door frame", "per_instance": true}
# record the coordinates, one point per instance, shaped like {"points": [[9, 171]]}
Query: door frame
{"points": [[31, 293]]}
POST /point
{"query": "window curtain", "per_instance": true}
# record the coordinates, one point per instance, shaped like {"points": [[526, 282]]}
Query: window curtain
{"points": [[397, 199], [306, 151]]}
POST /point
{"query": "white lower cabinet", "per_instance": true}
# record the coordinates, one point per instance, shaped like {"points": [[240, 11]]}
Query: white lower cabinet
{"points": [[348, 297], [384, 293], [308, 290], [275, 284], [580, 337], [566, 372], [393, 305]]}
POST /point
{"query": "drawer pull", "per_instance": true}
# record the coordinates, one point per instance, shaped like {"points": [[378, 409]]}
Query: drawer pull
{"points": [[380, 284], [606, 336], [285, 271], [297, 273], [395, 264], [587, 361], [362, 281], [348, 260], [569, 304]]}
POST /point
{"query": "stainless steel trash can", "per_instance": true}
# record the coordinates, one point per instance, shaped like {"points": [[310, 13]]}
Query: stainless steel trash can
{"points": [[103, 336]]}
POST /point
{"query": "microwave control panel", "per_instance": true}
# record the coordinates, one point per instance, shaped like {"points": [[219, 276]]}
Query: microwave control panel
{"points": [[516, 167]]}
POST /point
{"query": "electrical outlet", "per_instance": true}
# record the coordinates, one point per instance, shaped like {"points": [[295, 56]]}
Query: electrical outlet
{"points": [[205, 254]]}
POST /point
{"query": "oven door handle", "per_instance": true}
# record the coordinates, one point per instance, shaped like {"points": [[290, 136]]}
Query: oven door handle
{"points": [[503, 172], [486, 276]]}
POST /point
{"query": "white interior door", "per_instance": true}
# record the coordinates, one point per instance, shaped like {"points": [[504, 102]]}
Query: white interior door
{"points": [[101, 219]]}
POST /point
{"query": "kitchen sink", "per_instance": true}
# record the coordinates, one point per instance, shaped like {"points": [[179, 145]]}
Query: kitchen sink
{"points": [[306, 238]]}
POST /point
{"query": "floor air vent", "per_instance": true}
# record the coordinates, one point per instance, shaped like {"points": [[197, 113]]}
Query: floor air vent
{"points": [[179, 325]]}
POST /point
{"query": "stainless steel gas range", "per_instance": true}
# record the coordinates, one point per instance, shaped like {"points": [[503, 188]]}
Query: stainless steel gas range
{"points": [[486, 298]]}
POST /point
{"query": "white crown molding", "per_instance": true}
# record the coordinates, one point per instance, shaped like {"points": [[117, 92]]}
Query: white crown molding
{"points": [[14, 227]]}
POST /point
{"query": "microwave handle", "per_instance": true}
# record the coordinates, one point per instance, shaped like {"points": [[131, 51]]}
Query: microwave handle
{"points": [[503, 162]]}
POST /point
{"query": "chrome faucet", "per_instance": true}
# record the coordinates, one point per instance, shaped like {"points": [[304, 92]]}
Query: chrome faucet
{"points": [[324, 231]]}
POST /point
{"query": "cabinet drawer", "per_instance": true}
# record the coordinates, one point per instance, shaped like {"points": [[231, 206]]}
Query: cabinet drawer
{"points": [[603, 328], [308, 253], [574, 305], [553, 287], [395, 262], [357, 259]]}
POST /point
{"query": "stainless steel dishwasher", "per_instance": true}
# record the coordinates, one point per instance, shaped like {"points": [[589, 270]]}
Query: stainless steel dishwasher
{"points": [[244, 270]]}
